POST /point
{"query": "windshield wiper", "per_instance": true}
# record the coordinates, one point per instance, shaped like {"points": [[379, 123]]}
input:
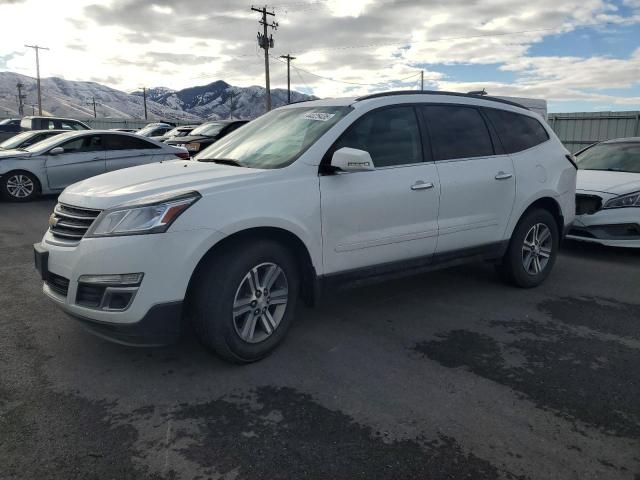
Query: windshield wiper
{"points": [[222, 161]]}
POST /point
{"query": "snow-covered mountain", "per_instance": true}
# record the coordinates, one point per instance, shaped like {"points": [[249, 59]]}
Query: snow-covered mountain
{"points": [[74, 99], [220, 100]]}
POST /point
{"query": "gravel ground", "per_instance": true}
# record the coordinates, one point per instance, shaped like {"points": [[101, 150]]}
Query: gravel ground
{"points": [[446, 375]]}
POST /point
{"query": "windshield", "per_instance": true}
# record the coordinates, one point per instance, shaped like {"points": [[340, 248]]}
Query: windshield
{"points": [[49, 142], [15, 141], [6, 121], [275, 139], [148, 130], [617, 157], [209, 129]]}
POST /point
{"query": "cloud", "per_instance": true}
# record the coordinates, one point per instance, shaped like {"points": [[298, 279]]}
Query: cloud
{"points": [[342, 48]]}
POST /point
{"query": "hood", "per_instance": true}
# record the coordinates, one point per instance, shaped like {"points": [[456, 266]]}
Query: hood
{"points": [[13, 154], [189, 139], [617, 183], [130, 184]]}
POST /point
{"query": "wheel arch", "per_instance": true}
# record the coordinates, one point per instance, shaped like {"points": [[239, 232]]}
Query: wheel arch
{"points": [[283, 236], [546, 203]]}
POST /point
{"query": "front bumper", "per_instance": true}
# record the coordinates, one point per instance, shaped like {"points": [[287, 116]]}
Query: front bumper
{"points": [[616, 227], [153, 316], [161, 325]]}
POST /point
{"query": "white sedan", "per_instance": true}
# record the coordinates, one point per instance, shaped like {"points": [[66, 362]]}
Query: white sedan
{"points": [[51, 165], [608, 194]]}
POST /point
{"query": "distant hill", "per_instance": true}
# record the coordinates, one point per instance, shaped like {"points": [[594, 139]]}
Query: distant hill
{"points": [[217, 100]]}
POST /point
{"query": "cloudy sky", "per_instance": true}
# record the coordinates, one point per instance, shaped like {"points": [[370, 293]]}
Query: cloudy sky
{"points": [[581, 55]]}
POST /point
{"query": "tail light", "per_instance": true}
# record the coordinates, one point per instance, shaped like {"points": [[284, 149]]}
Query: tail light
{"points": [[183, 155]]}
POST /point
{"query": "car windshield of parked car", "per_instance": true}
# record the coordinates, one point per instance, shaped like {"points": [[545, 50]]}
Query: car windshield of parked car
{"points": [[149, 129], [173, 133], [275, 139], [6, 121], [209, 129], [616, 157], [15, 141]]}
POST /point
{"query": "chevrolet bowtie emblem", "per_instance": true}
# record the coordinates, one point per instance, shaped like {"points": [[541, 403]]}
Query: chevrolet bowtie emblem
{"points": [[53, 221]]}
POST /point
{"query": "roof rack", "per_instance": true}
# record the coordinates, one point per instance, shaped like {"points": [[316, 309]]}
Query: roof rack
{"points": [[437, 92]]}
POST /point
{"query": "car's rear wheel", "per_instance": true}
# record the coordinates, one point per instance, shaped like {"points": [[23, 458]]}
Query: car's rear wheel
{"points": [[244, 300], [19, 186], [532, 250]]}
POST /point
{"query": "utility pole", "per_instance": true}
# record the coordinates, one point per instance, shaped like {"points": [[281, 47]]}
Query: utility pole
{"points": [[37, 48], [21, 98], [93, 102], [144, 99], [288, 57], [266, 43], [421, 79]]}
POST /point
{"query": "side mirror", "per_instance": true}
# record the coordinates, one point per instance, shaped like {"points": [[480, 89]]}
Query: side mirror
{"points": [[352, 160], [56, 151]]}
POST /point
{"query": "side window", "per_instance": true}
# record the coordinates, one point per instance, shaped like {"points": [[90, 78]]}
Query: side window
{"points": [[90, 143], [457, 132], [517, 132], [390, 135], [50, 125], [65, 125], [126, 142]]}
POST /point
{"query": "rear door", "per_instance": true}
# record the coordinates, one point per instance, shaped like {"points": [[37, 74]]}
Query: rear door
{"points": [[83, 157], [477, 180], [124, 151], [388, 214]]}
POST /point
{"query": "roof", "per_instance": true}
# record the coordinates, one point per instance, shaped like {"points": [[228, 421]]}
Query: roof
{"points": [[438, 92]]}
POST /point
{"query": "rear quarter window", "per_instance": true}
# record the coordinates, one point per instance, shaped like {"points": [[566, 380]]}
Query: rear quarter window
{"points": [[516, 132]]}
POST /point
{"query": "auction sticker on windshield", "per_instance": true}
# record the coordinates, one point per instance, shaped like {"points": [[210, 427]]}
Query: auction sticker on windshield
{"points": [[321, 116]]}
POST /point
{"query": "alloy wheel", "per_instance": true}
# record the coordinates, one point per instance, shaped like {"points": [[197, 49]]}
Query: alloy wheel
{"points": [[260, 302], [20, 186], [536, 249]]}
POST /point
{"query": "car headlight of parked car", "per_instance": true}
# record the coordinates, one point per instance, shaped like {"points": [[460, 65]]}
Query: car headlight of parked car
{"points": [[628, 200], [141, 218]]}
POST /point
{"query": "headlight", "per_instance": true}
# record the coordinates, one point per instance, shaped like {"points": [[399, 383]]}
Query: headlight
{"points": [[141, 218], [629, 200]]}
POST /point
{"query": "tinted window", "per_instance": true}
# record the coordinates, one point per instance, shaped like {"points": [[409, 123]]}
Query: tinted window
{"points": [[457, 132], [126, 142], [70, 125], [89, 143], [390, 135], [517, 132]]}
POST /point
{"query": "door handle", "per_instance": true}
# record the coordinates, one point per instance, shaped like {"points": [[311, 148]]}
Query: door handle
{"points": [[503, 176], [421, 185]]}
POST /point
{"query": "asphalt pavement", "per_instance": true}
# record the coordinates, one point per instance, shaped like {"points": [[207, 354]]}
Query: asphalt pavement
{"points": [[447, 375]]}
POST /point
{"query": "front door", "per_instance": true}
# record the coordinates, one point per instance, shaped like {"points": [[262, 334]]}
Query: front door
{"points": [[83, 157], [388, 214]]}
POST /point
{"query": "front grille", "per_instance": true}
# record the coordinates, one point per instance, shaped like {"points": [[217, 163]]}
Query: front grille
{"points": [[71, 223], [587, 204], [58, 284]]}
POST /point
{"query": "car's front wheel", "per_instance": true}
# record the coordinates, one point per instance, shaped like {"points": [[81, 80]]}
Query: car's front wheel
{"points": [[532, 250], [244, 300], [19, 186]]}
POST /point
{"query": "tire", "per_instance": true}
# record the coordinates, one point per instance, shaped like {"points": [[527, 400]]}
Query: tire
{"points": [[224, 300], [528, 265], [19, 186]]}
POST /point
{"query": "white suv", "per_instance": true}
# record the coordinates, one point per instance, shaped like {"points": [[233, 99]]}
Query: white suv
{"points": [[329, 192]]}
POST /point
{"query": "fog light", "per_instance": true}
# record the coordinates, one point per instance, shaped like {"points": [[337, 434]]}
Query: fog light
{"points": [[125, 279]]}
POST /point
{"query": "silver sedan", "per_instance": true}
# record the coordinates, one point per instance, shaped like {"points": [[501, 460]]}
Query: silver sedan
{"points": [[53, 164]]}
